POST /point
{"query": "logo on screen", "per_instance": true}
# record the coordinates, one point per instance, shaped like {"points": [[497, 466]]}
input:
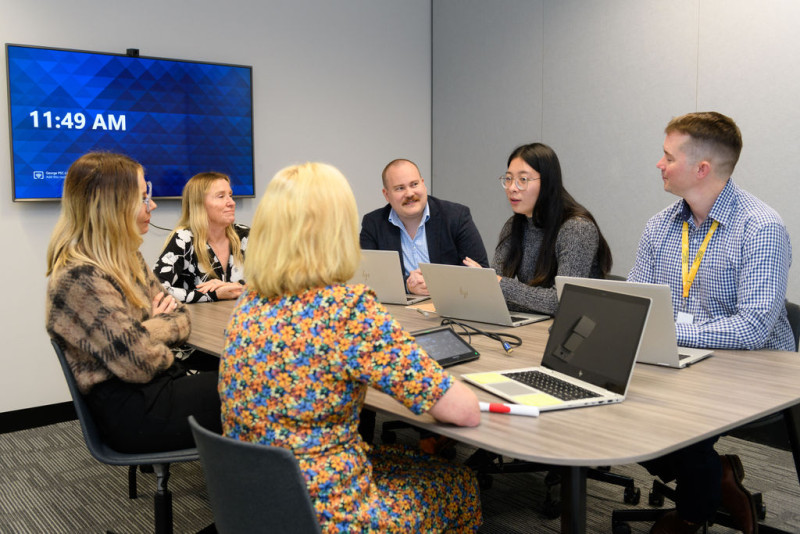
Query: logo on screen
{"points": [[38, 175]]}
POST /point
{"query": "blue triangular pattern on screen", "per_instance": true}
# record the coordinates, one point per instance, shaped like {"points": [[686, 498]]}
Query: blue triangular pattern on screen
{"points": [[176, 118]]}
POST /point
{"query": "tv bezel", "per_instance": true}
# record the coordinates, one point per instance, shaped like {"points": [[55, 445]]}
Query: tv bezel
{"points": [[130, 53]]}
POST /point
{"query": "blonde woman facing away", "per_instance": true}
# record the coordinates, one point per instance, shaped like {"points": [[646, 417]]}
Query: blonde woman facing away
{"points": [[301, 349], [111, 317], [203, 257]]}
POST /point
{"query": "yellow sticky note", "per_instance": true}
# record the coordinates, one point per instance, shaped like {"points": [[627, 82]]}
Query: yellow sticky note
{"points": [[537, 399], [487, 378]]}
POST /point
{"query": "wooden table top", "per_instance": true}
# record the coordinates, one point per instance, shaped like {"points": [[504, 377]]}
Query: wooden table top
{"points": [[665, 409]]}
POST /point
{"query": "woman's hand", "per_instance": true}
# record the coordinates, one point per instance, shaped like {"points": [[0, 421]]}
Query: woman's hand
{"points": [[210, 285], [223, 290], [230, 290], [163, 303]]}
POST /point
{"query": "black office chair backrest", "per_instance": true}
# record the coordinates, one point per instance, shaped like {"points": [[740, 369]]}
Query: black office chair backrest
{"points": [[253, 487], [91, 434], [793, 312]]}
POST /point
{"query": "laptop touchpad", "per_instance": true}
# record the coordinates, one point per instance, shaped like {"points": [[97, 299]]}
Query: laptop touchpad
{"points": [[512, 388]]}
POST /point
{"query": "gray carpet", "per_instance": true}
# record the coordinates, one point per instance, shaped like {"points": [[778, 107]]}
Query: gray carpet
{"points": [[50, 484]]}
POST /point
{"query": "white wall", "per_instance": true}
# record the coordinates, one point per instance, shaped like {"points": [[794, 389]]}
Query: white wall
{"points": [[345, 82], [598, 81]]}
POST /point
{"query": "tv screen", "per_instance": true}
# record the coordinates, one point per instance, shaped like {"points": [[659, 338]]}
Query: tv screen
{"points": [[176, 118]]}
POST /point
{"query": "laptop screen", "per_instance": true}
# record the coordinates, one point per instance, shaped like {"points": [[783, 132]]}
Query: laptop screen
{"points": [[595, 336]]}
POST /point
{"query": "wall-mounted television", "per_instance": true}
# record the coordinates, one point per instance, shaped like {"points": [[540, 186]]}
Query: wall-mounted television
{"points": [[175, 117]]}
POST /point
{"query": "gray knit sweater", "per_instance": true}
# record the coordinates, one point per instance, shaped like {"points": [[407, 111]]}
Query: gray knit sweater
{"points": [[576, 255]]}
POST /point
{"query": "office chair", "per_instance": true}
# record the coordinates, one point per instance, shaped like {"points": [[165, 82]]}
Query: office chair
{"points": [[253, 488], [778, 430], [103, 453]]}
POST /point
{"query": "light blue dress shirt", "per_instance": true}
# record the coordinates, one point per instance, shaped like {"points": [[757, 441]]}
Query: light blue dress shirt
{"points": [[415, 250], [737, 298]]}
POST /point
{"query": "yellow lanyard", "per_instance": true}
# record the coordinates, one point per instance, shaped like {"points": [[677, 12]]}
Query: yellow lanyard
{"points": [[688, 276]]}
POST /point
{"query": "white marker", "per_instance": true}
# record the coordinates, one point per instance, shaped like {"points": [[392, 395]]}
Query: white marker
{"points": [[512, 409]]}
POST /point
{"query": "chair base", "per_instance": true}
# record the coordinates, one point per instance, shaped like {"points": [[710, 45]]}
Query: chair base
{"points": [[621, 518]]}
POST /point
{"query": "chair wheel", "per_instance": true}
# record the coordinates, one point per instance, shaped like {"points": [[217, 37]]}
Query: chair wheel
{"points": [[388, 438], [620, 527], [485, 481], [632, 496], [655, 499], [551, 508]]}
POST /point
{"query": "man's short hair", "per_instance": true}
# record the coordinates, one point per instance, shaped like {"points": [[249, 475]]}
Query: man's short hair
{"points": [[393, 163], [714, 137]]}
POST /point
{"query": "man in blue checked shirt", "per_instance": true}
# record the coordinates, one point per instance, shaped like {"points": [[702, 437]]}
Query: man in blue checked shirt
{"points": [[726, 256]]}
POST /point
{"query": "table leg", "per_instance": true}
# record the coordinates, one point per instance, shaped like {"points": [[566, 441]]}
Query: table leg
{"points": [[573, 500]]}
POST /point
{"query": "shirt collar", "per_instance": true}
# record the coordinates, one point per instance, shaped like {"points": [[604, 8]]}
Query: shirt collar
{"points": [[723, 207], [394, 218]]}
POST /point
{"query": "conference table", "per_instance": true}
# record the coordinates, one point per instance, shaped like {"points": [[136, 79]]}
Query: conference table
{"points": [[665, 409]]}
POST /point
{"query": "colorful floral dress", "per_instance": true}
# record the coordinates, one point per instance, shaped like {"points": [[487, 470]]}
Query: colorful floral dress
{"points": [[294, 374]]}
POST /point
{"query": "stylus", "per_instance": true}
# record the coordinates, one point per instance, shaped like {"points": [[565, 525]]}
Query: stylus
{"points": [[512, 409]]}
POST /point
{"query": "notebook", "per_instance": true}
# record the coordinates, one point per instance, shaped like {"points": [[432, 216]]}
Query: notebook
{"points": [[660, 346], [589, 357], [380, 270], [471, 294]]}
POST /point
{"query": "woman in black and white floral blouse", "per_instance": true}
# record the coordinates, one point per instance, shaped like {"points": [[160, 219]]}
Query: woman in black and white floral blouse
{"points": [[203, 257]]}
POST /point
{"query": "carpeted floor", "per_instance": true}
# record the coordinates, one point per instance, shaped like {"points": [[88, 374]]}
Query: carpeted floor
{"points": [[50, 484]]}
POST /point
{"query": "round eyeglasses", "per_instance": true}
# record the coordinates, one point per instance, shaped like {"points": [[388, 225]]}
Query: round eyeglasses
{"points": [[521, 181]]}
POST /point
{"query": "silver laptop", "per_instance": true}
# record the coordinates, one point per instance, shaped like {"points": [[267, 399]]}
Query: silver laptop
{"points": [[381, 271], [589, 357], [660, 346], [471, 294]]}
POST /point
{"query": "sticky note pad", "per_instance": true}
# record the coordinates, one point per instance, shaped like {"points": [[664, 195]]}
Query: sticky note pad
{"points": [[537, 399]]}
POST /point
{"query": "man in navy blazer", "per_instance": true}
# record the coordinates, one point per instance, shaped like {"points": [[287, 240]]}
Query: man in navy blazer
{"points": [[422, 228]]}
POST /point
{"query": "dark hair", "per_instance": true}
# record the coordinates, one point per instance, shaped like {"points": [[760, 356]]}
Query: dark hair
{"points": [[554, 206], [713, 135]]}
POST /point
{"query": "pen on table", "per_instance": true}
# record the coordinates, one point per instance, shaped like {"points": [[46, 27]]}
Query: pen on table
{"points": [[512, 409]]}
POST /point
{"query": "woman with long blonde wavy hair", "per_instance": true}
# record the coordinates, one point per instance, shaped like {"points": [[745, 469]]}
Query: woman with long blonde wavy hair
{"points": [[203, 258], [111, 317]]}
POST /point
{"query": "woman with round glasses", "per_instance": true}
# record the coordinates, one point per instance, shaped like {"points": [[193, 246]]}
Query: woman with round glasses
{"points": [[549, 234], [203, 258], [109, 313]]}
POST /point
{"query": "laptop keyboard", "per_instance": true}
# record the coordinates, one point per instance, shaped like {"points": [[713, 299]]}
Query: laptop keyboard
{"points": [[551, 385]]}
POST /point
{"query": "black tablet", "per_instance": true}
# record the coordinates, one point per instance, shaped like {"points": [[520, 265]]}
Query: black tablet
{"points": [[445, 346]]}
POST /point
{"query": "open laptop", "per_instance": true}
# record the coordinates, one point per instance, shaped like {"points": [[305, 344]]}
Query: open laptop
{"points": [[381, 271], [660, 346], [589, 357], [471, 294]]}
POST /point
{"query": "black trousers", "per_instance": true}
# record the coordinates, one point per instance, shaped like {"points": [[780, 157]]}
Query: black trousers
{"points": [[697, 471], [154, 416]]}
